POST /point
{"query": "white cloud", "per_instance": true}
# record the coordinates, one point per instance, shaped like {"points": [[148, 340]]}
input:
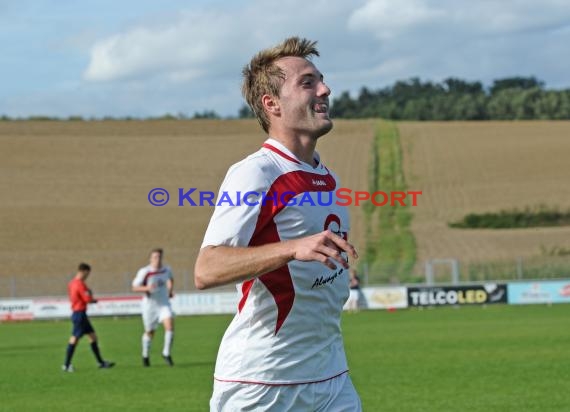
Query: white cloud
{"points": [[199, 42], [190, 60], [477, 40], [511, 16], [387, 18], [176, 50]]}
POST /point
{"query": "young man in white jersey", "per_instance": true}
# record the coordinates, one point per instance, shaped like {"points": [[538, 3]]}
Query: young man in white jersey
{"points": [[157, 283], [286, 246]]}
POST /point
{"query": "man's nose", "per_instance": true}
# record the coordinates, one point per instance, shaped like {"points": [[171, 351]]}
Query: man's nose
{"points": [[324, 89]]}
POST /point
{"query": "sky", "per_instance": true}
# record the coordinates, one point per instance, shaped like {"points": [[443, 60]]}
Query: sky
{"points": [[141, 58]]}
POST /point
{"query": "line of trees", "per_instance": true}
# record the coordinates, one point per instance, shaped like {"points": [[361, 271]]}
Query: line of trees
{"points": [[206, 114], [514, 98], [541, 216]]}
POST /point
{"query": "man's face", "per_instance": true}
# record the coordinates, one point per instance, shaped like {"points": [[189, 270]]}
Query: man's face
{"points": [[304, 98], [156, 259]]}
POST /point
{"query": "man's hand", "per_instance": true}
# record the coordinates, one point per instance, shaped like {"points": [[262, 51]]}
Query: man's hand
{"points": [[220, 265], [324, 247]]}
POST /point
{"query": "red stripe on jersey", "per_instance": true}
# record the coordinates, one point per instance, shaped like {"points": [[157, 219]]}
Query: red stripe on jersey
{"points": [[279, 282], [279, 152], [245, 288], [280, 285], [149, 274]]}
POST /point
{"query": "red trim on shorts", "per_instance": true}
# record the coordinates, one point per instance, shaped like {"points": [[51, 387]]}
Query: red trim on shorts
{"points": [[278, 384]]}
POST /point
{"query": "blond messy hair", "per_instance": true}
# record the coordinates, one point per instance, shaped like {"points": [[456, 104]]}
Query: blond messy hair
{"points": [[262, 76]]}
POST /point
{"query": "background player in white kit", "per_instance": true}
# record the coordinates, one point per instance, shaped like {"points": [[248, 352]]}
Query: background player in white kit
{"points": [[283, 351], [156, 281]]}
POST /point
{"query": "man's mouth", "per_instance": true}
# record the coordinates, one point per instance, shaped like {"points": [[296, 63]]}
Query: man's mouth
{"points": [[321, 108]]}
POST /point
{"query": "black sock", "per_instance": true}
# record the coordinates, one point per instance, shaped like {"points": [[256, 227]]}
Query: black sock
{"points": [[69, 353], [95, 349]]}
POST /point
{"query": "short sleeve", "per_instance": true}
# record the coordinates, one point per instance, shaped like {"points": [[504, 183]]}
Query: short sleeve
{"points": [[139, 278], [238, 204]]}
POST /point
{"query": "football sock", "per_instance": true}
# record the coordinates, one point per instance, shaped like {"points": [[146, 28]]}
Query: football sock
{"points": [[145, 345], [168, 338], [95, 349], [69, 353]]}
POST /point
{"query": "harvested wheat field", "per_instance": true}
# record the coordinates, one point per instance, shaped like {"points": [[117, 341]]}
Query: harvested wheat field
{"points": [[475, 167], [77, 191]]}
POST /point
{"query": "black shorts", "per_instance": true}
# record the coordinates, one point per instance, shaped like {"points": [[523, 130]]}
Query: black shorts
{"points": [[81, 324]]}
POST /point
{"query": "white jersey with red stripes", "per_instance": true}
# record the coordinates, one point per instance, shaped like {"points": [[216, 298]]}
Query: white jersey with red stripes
{"points": [[287, 327], [157, 279]]}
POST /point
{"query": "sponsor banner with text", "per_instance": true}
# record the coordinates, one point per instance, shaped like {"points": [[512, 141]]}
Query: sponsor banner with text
{"points": [[116, 306], [487, 293], [59, 307], [539, 292], [384, 297], [51, 308], [16, 309], [205, 303]]}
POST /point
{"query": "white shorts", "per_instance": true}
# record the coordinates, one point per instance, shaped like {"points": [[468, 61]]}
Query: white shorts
{"points": [[154, 315], [333, 395], [353, 295]]}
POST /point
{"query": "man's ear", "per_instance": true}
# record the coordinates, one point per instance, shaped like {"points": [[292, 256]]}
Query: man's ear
{"points": [[271, 104]]}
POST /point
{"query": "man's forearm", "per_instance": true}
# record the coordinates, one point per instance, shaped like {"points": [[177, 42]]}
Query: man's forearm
{"points": [[170, 287], [220, 265]]}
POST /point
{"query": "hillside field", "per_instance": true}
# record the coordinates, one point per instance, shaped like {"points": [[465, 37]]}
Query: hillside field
{"points": [[77, 191], [478, 167]]}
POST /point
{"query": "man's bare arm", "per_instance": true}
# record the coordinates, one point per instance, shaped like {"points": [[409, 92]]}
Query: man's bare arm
{"points": [[145, 288], [170, 287], [220, 265]]}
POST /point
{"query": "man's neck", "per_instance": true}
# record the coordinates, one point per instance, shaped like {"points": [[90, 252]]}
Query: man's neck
{"points": [[302, 147]]}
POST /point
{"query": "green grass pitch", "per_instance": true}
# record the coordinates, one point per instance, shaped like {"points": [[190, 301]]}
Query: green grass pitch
{"points": [[499, 358]]}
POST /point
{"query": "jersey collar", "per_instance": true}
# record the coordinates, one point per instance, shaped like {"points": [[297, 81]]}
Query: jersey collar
{"points": [[281, 150]]}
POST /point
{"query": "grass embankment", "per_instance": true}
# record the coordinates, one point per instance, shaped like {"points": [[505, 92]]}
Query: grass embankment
{"points": [[390, 245]]}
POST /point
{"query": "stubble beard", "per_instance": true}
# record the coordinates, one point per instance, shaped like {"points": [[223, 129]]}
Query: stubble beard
{"points": [[324, 128]]}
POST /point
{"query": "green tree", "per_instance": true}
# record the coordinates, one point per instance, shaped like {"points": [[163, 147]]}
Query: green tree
{"points": [[516, 83], [245, 112], [206, 114]]}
